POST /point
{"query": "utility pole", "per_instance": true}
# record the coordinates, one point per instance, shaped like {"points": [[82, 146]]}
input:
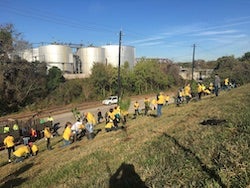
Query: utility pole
{"points": [[119, 67], [193, 63]]}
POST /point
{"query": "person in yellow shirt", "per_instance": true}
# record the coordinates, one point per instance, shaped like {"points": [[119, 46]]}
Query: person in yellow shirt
{"points": [[21, 153], [199, 90], [15, 126], [6, 129], [187, 93], [90, 122], [167, 98], [226, 83], [9, 142], [111, 115], [136, 108], [50, 119], [47, 136], [109, 126], [153, 104], [124, 114], [67, 133], [211, 87], [160, 102], [33, 148]]}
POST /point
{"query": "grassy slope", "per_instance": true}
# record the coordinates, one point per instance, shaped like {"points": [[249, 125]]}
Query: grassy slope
{"points": [[173, 150]]}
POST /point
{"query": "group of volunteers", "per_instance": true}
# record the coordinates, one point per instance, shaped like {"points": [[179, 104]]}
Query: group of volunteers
{"points": [[85, 123], [151, 105], [21, 152], [71, 133], [184, 94], [83, 126]]}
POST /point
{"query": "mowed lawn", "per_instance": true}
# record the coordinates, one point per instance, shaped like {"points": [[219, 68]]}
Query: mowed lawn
{"points": [[201, 144]]}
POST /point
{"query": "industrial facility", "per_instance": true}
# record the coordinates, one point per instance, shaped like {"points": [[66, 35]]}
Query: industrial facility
{"points": [[78, 59]]}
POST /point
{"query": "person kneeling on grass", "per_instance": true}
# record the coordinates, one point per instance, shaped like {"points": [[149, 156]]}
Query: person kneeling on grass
{"points": [[110, 126], [33, 148], [21, 153]]}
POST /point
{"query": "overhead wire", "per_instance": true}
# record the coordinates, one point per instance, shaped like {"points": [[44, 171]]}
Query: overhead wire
{"points": [[55, 19]]}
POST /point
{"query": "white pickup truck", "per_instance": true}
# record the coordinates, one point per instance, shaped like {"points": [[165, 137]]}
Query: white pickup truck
{"points": [[110, 100]]}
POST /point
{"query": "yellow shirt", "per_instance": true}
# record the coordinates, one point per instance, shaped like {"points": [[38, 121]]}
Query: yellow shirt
{"points": [[167, 98], [136, 105], [153, 102], [67, 133], [117, 111], [9, 141], [47, 133], [109, 125], [226, 81], [111, 115], [199, 89], [187, 90], [22, 151], [161, 99], [90, 118], [124, 112], [50, 119], [6, 129], [15, 127], [146, 101], [34, 148]]}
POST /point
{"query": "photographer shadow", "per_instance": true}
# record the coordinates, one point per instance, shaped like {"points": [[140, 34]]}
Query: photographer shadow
{"points": [[125, 176]]}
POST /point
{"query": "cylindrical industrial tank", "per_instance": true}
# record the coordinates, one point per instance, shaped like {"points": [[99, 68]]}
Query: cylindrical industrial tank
{"points": [[112, 55], [26, 54], [89, 56], [30, 54], [35, 55], [57, 55]]}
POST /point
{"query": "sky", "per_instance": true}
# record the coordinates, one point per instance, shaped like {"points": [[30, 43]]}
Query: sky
{"points": [[172, 29]]}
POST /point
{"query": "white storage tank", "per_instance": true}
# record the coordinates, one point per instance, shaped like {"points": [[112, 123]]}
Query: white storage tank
{"points": [[57, 55], [30, 55], [89, 56], [112, 55]]}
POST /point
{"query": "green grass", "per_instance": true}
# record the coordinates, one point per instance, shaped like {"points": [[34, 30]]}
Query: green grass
{"points": [[174, 150]]}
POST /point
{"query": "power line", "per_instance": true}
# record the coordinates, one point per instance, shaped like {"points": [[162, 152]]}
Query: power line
{"points": [[57, 20]]}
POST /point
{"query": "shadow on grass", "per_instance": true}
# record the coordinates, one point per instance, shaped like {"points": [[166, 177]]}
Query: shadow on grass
{"points": [[12, 180], [125, 176], [212, 173], [213, 122]]}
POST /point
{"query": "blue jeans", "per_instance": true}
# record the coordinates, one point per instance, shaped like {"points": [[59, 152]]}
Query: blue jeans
{"points": [[89, 127], [19, 159], [26, 140], [66, 142], [159, 107]]}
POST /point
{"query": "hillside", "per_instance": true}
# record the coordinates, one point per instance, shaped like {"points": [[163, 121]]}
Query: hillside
{"points": [[201, 144]]}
